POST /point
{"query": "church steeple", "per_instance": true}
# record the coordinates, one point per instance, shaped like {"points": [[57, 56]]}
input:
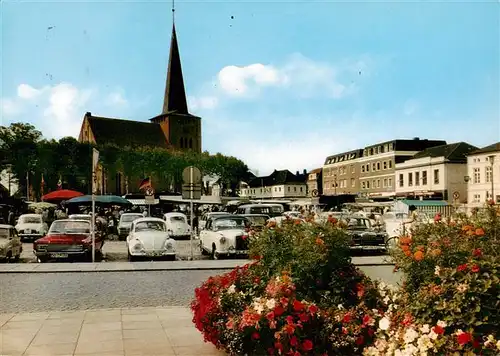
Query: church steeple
{"points": [[175, 93]]}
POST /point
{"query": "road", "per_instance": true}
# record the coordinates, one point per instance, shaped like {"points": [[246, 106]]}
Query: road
{"points": [[31, 292]]}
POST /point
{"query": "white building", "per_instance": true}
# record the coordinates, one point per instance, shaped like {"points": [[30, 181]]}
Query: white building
{"points": [[279, 184], [483, 175], [435, 173]]}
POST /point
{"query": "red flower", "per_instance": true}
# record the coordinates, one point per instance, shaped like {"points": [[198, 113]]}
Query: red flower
{"points": [[270, 316], [298, 306], [313, 309], [289, 319], [303, 317], [361, 290], [477, 252], [270, 351], [347, 318], [462, 268], [294, 341], [464, 338], [371, 332], [475, 268], [255, 336], [279, 310], [360, 340], [278, 346], [284, 301], [307, 345], [438, 330], [256, 280]]}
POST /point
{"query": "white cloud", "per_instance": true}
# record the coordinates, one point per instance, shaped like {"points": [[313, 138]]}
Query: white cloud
{"points": [[56, 110]]}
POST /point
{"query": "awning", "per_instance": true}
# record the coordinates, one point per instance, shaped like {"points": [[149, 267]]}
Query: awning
{"points": [[205, 199], [142, 201]]}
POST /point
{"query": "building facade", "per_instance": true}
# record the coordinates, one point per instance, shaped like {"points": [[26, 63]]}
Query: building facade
{"points": [[315, 183], [435, 173], [175, 128], [279, 184], [483, 175], [341, 173]]}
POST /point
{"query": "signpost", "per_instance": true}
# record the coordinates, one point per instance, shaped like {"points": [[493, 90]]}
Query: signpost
{"points": [[149, 198], [95, 162], [191, 189]]}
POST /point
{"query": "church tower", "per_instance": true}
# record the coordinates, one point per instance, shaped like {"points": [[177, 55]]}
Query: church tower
{"points": [[181, 129]]}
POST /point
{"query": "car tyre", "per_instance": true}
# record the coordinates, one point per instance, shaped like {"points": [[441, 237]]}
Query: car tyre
{"points": [[8, 256], [41, 260], [130, 257]]}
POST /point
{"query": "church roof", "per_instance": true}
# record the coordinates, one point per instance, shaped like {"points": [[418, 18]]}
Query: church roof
{"points": [[175, 94], [123, 133]]}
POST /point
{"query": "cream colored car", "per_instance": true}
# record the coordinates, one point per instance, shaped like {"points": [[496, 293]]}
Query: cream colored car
{"points": [[149, 238], [10, 243]]}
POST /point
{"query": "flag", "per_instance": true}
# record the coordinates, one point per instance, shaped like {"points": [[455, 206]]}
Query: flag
{"points": [[42, 185], [59, 183], [95, 162], [145, 183]]}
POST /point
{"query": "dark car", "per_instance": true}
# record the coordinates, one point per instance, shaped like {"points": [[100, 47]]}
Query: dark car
{"points": [[257, 221], [68, 239], [365, 236]]}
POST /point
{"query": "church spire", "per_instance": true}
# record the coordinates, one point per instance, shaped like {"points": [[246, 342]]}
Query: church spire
{"points": [[175, 93]]}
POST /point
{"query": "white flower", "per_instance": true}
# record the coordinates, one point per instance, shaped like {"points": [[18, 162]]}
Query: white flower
{"points": [[462, 288], [437, 270], [340, 306], [458, 332], [442, 324], [425, 328], [433, 335], [410, 350], [490, 340], [424, 343], [410, 336], [384, 323], [498, 344], [231, 289], [259, 308], [271, 303], [387, 299]]}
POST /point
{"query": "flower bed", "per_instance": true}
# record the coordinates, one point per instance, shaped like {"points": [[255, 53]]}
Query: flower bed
{"points": [[303, 296]]}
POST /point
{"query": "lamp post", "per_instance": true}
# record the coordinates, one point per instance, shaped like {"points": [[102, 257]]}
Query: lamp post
{"points": [[335, 183], [491, 159]]}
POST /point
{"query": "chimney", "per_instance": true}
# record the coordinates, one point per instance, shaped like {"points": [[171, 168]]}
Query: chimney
{"points": [[305, 171], [297, 173], [416, 138], [88, 113]]}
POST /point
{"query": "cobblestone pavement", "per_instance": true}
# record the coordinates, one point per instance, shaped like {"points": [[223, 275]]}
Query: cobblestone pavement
{"points": [[111, 332], [33, 292], [117, 250]]}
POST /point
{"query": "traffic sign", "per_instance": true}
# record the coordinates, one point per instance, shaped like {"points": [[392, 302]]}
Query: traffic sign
{"points": [[456, 195], [149, 199], [150, 191], [191, 189]]}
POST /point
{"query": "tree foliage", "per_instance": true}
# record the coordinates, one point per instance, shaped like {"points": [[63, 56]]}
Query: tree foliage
{"points": [[23, 148]]}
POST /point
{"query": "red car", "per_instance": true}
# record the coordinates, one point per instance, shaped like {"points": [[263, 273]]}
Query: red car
{"points": [[68, 239]]}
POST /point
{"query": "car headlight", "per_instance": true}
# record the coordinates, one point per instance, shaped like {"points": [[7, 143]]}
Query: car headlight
{"points": [[41, 247], [222, 239], [138, 246], [169, 245]]}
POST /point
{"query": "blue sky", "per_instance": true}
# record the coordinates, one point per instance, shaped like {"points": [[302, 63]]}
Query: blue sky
{"points": [[279, 85]]}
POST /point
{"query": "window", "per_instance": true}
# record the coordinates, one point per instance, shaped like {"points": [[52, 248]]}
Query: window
{"points": [[363, 185], [374, 167], [301, 189], [279, 189], [353, 182], [363, 168], [390, 164], [378, 166], [390, 182], [424, 178], [436, 176], [368, 168], [294, 189], [489, 174], [288, 188], [385, 182], [374, 183], [477, 176], [367, 184], [401, 180], [417, 178], [353, 169], [275, 189], [378, 183], [385, 165], [410, 179], [477, 198]]}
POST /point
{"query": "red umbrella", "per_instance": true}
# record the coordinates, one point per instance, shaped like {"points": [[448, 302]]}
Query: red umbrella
{"points": [[60, 195]]}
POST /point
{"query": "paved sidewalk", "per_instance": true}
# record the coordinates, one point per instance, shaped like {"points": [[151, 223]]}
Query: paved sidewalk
{"points": [[109, 332], [155, 266]]}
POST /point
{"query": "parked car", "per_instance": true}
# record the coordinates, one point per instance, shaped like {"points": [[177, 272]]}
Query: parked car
{"points": [[149, 238], [364, 236], [68, 239], [80, 217], [31, 227], [125, 223], [225, 236], [257, 221], [177, 225], [206, 216], [10, 243]]}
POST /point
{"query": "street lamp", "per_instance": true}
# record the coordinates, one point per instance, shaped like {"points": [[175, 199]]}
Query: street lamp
{"points": [[491, 159]]}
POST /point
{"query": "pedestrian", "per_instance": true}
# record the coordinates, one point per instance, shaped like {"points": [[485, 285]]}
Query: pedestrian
{"points": [[10, 218]]}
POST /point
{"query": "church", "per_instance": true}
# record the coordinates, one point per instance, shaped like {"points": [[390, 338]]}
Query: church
{"points": [[175, 128]]}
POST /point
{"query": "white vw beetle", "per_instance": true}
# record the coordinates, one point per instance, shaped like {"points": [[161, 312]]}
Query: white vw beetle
{"points": [[225, 235], [149, 238], [177, 225], [31, 227]]}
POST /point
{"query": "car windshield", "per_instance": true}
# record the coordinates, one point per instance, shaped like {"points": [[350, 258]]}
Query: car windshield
{"points": [[80, 217], [70, 227], [177, 219], [130, 218], [150, 226], [257, 220], [30, 220], [359, 224], [230, 223], [4, 233]]}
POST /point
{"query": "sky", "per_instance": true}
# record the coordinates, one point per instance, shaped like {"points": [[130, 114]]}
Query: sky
{"points": [[280, 85]]}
